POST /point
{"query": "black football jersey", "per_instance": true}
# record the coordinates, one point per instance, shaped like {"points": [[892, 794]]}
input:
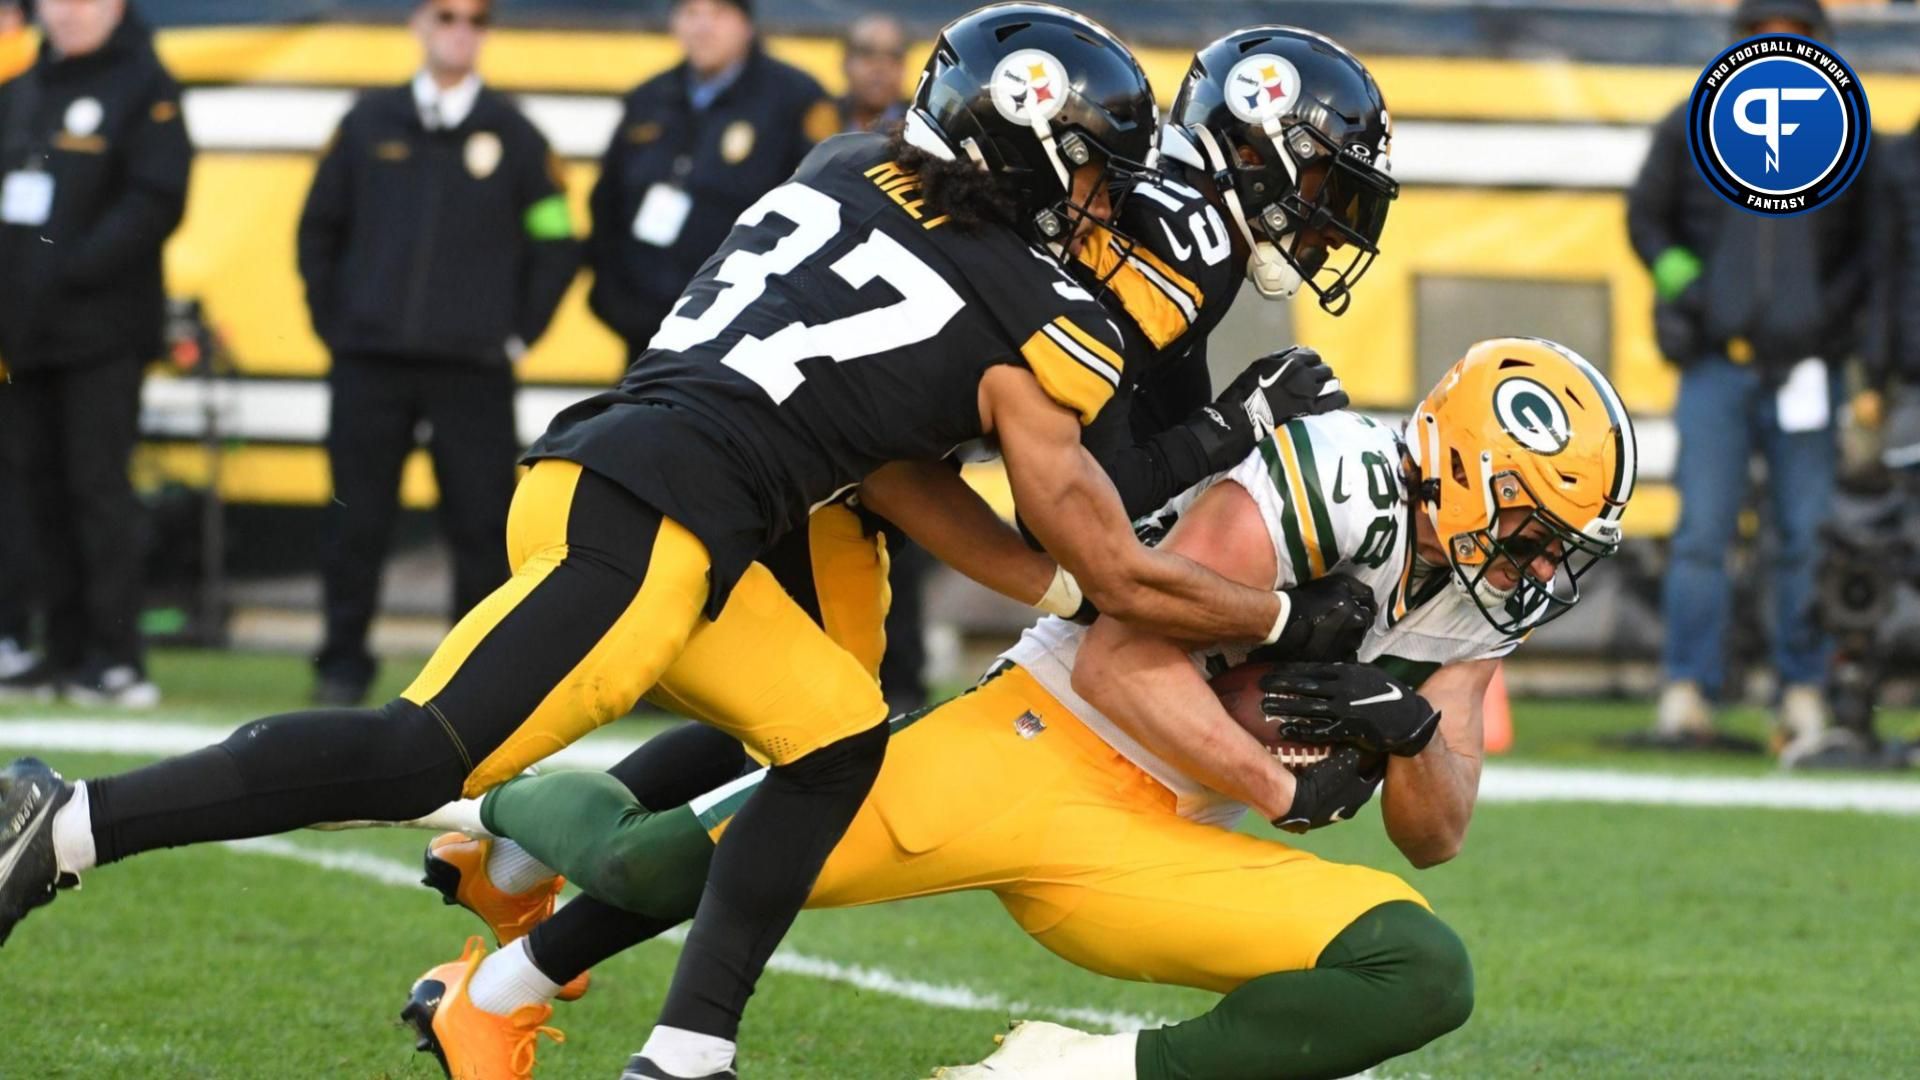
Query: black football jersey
{"points": [[1174, 273], [842, 325]]}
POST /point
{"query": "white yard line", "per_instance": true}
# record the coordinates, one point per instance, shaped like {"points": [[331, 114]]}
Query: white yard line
{"points": [[385, 871], [1502, 783]]}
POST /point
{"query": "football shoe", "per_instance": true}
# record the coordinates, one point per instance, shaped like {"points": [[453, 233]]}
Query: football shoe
{"points": [[639, 1068], [469, 1042], [457, 868], [30, 793], [1037, 1050]]}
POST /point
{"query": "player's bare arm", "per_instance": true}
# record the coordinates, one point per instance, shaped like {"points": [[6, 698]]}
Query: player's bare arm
{"points": [[1148, 685], [933, 506], [1428, 798], [1068, 502]]}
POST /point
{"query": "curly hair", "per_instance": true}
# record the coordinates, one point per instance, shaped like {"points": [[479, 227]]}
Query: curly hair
{"points": [[969, 196]]}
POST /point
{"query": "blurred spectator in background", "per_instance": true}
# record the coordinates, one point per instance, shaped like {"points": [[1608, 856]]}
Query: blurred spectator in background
{"points": [[95, 160], [874, 60], [435, 245], [697, 145], [16, 54], [1758, 313]]}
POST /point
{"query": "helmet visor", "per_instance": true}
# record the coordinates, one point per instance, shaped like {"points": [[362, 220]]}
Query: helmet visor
{"points": [[1333, 220]]}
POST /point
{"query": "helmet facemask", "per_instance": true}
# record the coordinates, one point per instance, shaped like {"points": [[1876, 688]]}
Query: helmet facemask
{"points": [[1520, 538], [1297, 199]]}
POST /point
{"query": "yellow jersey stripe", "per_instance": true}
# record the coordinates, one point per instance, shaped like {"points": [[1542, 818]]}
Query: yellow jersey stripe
{"points": [[1064, 377], [1093, 345]]}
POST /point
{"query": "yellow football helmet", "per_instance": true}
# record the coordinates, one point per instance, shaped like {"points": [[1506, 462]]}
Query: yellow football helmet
{"points": [[1523, 423]]}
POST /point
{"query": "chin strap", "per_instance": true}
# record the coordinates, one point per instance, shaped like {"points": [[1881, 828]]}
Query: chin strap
{"points": [[1267, 268]]}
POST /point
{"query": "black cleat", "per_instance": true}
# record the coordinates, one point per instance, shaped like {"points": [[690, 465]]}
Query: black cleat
{"points": [[422, 1003], [639, 1068], [30, 792]]}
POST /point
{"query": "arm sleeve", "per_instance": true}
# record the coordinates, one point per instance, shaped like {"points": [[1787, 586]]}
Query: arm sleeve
{"points": [[1654, 198], [158, 158], [552, 255], [324, 224]]}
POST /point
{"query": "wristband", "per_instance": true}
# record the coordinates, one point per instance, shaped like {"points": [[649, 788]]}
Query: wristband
{"points": [[1279, 624], [1063, 597]]}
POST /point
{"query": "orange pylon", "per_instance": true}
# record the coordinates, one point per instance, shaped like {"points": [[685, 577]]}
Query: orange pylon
{"points": [[1496, 716]]}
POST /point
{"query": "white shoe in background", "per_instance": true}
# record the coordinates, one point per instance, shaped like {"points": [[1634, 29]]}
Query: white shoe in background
{"points": [[1683, 710], [15, 658]]}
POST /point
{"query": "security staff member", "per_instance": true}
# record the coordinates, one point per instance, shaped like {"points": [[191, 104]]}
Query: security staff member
{"points": [[697, 145], [436, 244], [93, 178]]}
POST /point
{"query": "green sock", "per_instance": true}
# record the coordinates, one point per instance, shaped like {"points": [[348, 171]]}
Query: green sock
{"points": [[1395, 979], [589, 827]]}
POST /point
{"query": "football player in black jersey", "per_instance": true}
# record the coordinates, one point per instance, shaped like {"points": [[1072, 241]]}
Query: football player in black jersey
{"points": [[1172, 274], [874, 309]]}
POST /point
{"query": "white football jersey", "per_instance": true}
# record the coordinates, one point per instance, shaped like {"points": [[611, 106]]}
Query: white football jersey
{"points": [[1333, 498]]}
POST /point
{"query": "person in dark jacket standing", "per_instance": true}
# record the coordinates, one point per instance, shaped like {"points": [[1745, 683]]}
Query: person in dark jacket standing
{"points": [[1759, 314], [94, 161], [435, 245], [697, 145]]}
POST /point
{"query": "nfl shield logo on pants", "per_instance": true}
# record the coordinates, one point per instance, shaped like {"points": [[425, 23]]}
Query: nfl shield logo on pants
{"points": [[1028, 725]]}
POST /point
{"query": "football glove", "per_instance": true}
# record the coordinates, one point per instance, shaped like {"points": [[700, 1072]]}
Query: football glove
{"points": [[1333, 790], [1274, 389], [1327, 618], [1355, 705]]}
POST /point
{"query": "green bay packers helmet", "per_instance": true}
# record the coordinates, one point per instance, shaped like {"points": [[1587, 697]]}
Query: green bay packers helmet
{"points": [[1029, 93], [1523, 424], [1294, 132]]}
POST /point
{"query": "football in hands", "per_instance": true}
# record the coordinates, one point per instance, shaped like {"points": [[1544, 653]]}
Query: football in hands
{"points": [[1239, 691]]}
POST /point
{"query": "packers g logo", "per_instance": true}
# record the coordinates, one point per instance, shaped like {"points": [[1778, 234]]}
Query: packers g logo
{"points": [[1261, 87], [1778, 124], [1030, 85], [1531, 414]]}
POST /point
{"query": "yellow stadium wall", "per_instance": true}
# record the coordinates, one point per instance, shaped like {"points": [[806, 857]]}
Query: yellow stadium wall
{"points": [[235, 249]]}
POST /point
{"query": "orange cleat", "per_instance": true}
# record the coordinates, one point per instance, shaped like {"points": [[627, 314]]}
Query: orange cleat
{"points": [[470, 1043], [457, 868]]}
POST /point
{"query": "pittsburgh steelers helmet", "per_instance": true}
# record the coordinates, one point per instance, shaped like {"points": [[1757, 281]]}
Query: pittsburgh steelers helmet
{"points": [[1031, 92], [1522, 423], [1294, 132]]}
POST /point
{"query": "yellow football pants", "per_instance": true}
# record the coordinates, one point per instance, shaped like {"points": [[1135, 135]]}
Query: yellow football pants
{"points": [[1004, 789], [605, 602]]}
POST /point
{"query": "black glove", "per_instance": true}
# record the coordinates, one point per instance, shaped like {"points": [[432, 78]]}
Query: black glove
{"points": [[1271, 391], [1333, 790], [1353, 704], [1328, 619]]}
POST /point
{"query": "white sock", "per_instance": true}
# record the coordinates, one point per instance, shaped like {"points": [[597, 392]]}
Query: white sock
{"points": [[73, 834], [512, 870], [462, 816], [687, 1053], [507, 980]]}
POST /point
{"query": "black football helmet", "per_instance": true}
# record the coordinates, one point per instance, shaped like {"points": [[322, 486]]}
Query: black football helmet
{"points": [[1294, 132], [1031, 92]]}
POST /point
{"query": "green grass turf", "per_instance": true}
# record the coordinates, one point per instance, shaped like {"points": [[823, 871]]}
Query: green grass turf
{"points": [[1608, 941]]}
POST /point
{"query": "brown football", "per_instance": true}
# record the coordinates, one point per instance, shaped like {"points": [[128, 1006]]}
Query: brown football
{"points": [[1239, 691]]}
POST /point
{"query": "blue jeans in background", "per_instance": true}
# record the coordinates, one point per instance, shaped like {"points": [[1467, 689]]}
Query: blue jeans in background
{"points": [[1726, 411]]}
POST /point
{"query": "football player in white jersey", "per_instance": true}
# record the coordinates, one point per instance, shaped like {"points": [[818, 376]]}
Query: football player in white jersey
{"points": [[1092, 781]]}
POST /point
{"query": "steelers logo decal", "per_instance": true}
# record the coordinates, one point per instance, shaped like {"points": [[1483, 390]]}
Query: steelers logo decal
{"points": [[482, 154], [1030, 85], [1261, 87], [84, 116], [1531, 414]]}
